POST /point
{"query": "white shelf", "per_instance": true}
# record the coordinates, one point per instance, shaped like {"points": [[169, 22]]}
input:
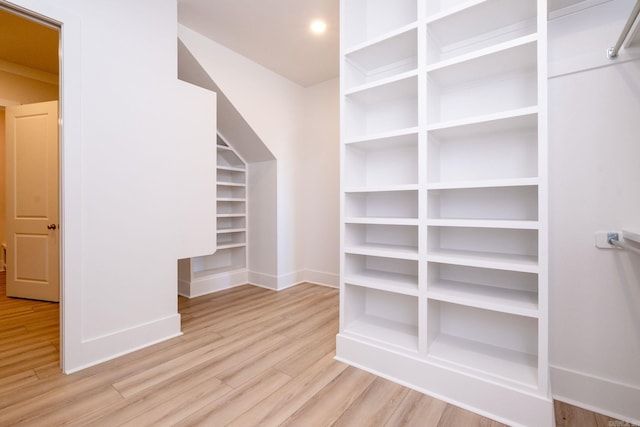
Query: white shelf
{"points": [[231, 184], [231, 199], [227, 269], [397, 137], [382, 250], [484, 223], [500, 261], [386, 42], [377, 61], [502, 207], [400, 86], [489, 183], [382, 204], [386, 332], [391, 282], [231, 215], [513, 301], [385, 188], [231, 245], [230, 230], [231, 168], [472, 25], [371, 21], [502, 121], [381, 220], [486, 360]]}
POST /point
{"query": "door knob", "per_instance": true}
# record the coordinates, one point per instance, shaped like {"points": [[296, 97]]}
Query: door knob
{"points": [[51, 226]]}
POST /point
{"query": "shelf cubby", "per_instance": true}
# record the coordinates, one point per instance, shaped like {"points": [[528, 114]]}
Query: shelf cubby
{"points": [[490, 203], [391, 106], [231, 223], [220, 262], [383, 162], [228, 238], [228, 158], [399, 240], [489, 343], [231, 207], [497, 248], [382, 59], [230, 176], [499, 290], [503, 81], [382, 204], [231, 191], [389, 274], [371, 19], [382, 316], [500, 149], [457, 27]]}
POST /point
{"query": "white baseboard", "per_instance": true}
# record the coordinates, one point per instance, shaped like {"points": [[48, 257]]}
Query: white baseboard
{"points": [[214, 283], [101, 349], [500, 402], [611, 398], [321, 278]]}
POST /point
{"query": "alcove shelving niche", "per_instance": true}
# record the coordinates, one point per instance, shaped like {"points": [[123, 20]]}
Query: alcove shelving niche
{"points": [[444, 188], [228, 265]]}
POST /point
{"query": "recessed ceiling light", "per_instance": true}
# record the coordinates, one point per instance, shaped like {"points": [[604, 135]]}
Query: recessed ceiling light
{"points": [[318, 26]]}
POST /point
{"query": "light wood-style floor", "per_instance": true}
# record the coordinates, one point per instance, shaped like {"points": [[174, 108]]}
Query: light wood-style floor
{"points": [[248, 357]]}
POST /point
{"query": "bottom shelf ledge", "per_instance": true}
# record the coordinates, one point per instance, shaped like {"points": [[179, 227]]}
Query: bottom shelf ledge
{"points": [[216, 271], [385, 331], [485, 360]]}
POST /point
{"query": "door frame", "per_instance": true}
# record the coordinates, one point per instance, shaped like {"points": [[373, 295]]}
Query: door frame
{"points": [[69, 170]]}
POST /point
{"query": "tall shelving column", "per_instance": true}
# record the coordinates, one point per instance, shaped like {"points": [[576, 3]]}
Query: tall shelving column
{"points": [[444, 189], [380, 171], [486, 212], [228, 265]]}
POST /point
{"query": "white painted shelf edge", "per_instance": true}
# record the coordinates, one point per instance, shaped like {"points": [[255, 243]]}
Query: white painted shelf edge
{"points": [[484, 223], [381, 221], [512, 301], [486, 183], [391, 282], [385, 251], [380, 38], [498, 261]]}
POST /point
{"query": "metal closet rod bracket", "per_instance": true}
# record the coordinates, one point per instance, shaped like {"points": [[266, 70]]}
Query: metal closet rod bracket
{"points": [[614, 240]]}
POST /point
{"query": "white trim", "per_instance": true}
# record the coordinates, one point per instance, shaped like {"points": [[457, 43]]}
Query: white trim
{"points": [[508, 405], [107, 347], [209, 284], [601, 395], [322, 278]]}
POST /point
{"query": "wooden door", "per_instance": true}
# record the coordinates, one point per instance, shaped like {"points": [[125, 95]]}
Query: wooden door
{"points": [[32, 201]]}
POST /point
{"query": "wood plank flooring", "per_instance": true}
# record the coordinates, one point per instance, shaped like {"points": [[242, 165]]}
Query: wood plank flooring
{"points": [[248, 357]]}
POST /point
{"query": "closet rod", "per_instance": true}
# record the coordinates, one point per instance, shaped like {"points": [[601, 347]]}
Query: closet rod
{"points": [[612, 52], [613, 239]]}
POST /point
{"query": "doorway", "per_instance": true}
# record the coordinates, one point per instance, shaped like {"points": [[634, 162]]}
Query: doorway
{"points": [[29, 73]]}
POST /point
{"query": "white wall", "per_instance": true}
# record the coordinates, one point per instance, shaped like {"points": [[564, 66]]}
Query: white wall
{"points": [[296, 124], [120, 242], [319, 183], [594, 115]]}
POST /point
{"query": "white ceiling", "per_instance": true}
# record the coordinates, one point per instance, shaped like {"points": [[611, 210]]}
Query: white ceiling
{"points": [[275, 34]]}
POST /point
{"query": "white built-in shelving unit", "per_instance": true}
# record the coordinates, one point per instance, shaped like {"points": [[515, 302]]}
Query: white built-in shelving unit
{"points": [[228, 265], [444, 200]]}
